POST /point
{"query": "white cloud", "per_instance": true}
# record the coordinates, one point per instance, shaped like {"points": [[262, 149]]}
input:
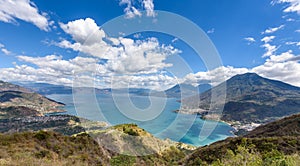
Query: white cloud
{"points": [[290, 20], [53, 69], [124, 55], [272, 30], [137, 35], [250, 40], [284, 67], [149, 7], [267, 39], [84, 31], [293, 43], [156, 82], [103, 57], [4, 50], [298, 30], [141, 57], [293, 5], [270, 49], [175, 40], [131, 11], [214, 77], [24, 10], [211, 31]]}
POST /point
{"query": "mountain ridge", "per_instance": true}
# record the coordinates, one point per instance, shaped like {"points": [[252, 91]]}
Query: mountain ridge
{"points": [[14, 97], [250, 98]]}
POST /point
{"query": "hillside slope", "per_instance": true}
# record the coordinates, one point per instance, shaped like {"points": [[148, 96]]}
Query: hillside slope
{"points": [[288, 126], [276, 143], [14, 96], [251, 98]]}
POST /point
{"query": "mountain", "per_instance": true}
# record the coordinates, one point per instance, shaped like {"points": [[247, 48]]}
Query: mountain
{"points": [[16, 101], [251, 98], [186, 90], [49, 89]]}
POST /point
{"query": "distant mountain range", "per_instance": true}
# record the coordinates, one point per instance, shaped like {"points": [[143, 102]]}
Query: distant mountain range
{"points": [[251, 98], [46, 89], [177, 91], [186, 90]]}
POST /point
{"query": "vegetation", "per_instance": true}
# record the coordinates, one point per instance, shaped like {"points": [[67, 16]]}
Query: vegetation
{"points": [[29, 138], [131, 129], [16, 112], [250, 98], [49, 148], [276, 143], [289, 126]]}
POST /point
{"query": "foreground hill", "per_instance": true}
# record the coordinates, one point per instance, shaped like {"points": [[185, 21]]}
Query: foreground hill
{"points": [[288, 126], [16, 98], [48, 148], [276, 143], [100, 147], [251, 98]]}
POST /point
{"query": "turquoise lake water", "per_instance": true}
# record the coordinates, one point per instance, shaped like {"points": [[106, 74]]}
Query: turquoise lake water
{"points": [[190, 129]]}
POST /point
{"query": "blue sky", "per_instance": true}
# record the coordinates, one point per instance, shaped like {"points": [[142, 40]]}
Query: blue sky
{"points": [[45, 41]]}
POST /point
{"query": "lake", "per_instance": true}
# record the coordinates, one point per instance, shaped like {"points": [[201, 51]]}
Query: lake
{"points": [[157, 116]]}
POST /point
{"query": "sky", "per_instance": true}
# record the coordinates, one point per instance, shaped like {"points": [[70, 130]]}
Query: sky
{"points": [[58, 41]]}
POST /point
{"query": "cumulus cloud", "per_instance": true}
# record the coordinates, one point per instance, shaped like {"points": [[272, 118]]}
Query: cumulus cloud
{"points": [[156, 82], [284, 67], [123, 55], [102, 56], [272, 30], [214, 77], [132, 11], [293, 5], [53, 69], [24, 10]]}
